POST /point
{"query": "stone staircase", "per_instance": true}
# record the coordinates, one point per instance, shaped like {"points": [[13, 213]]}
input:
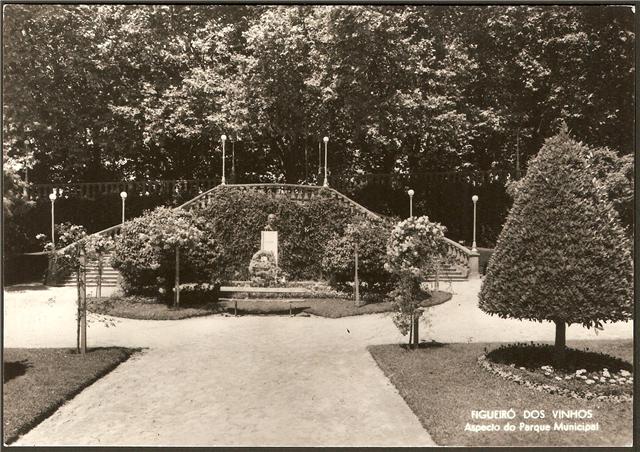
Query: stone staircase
{"points": [[451, 273], [109, 274]]}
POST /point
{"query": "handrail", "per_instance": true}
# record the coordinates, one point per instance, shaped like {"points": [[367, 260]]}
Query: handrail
{"points": [[462, 248], [115, 229], [201, 195]]}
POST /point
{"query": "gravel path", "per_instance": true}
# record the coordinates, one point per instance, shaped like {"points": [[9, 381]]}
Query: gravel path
{"points": [[249, 380]]}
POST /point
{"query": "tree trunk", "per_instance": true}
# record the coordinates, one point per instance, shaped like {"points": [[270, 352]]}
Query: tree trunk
{"points": [[78, 310], [416, 334], [356, 281], [177, 288], [99, 282], [410, 331], [83, 303], [560, 345]]}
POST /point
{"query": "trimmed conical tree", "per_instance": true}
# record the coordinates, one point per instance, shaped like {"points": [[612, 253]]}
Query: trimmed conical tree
{"points": [[562, 255]]}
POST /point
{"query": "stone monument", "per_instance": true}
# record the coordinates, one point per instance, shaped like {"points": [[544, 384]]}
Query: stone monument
{"points": [[269, 237]]}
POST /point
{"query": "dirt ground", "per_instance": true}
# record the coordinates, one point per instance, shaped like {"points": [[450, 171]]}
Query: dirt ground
{"points": [[254, 380]]}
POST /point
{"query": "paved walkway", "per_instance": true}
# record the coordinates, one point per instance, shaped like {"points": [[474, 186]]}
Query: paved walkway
{"points": [[250, 380]]}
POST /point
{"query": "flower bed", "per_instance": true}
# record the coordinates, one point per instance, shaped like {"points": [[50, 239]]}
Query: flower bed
{"points": [[601, 377]]}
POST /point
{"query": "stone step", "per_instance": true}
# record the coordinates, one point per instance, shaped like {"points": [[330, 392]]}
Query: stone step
{"points": [[446, 279], [89, 284]]}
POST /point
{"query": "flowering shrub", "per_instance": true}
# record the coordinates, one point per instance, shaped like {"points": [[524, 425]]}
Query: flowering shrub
{"points": [[145, 252], [263, 269], [414, 249], [97, 245], [62, 264], [338, 263]]}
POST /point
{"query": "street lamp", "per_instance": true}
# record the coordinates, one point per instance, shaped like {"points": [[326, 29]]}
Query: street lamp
{"points": [[474, 198], [224, 139], [326, 181], [411, 193], [53, 197], [123, 195]]}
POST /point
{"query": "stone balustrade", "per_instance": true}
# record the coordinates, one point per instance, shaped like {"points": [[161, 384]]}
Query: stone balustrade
{"points": [[92, 190]]}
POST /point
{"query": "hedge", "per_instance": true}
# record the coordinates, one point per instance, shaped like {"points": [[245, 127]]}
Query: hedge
{"points": [[233, 219]]}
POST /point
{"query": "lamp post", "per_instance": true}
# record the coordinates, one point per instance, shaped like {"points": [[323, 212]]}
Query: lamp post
{"points": [[411, 193], [224, 139], [53, 197], [123, 195], [326, 181], [474, 198]]}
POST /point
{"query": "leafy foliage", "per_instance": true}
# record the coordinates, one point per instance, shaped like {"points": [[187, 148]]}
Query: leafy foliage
{"points": [[15, 210], [338, 262], [424, 87], [145, 252], [579, 270], [64, 263], [234, 219]]}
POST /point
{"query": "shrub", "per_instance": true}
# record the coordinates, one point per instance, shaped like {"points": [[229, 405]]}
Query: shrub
{"points": [[145, 252], [338, 262], [234, 219], [563, 255], [263, 270], [199, 293]]}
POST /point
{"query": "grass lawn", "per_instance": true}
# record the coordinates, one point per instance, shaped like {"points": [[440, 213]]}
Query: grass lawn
{"points": [[147, 308], [150, 309], [38, 381], [443, 383]]}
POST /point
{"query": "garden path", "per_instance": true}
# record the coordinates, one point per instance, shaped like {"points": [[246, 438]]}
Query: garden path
{"points": [[249, 380]]}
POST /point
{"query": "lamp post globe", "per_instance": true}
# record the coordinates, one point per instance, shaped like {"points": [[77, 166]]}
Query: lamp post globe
{"points": [[53, 197], [123, 195], [224, 139], [326, 180], [474, 198], [410, 192]]}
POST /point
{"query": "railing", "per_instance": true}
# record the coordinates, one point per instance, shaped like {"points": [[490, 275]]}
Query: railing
{"points": [[91, 190], [111, 232], [292, 191], [462, 176], [460, 254]]}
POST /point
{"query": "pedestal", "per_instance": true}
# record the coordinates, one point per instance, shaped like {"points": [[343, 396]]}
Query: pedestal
{"points": [[269, 242]]}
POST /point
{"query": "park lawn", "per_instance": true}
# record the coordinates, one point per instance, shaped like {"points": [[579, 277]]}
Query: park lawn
{"points": [[147, 308], [345, 308], [39, 380], [443, 383], [144, 308]]}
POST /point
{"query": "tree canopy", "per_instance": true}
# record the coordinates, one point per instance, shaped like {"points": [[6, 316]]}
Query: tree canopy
{"points": [[108, 92], [563, 254]]}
